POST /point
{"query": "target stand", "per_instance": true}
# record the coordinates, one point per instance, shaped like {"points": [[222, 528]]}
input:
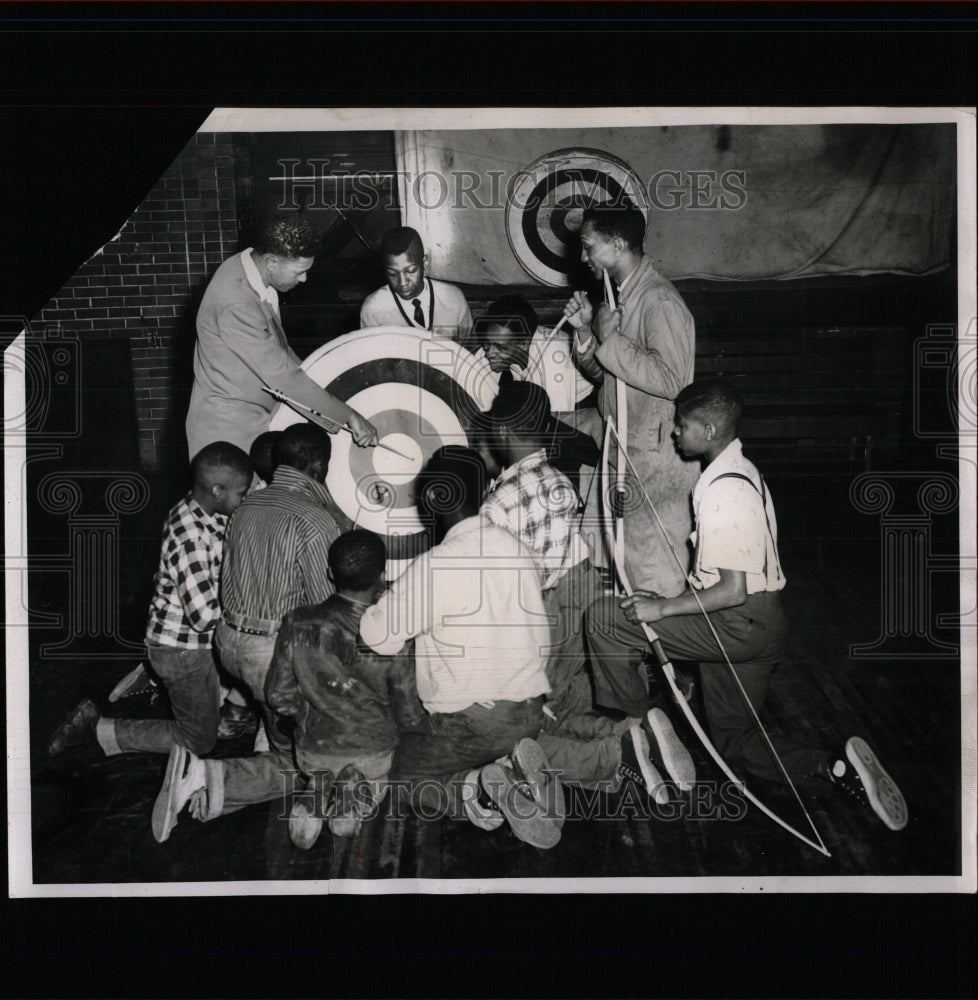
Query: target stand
{"points": [[420, 392]]}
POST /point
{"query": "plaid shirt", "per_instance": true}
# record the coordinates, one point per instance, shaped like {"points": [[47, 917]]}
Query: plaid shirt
{"points": [[185, 610], [538, 504]]}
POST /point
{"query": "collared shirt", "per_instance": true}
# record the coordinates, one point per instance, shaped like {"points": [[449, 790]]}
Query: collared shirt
{"points": [[275, 558], [475, 605], [184, 610], [735, 529], [343, 696], [538, 504], [451, 317], [266, 294]]}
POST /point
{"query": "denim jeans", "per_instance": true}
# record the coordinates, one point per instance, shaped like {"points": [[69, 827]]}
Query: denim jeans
{"points": [[754, 636], [435, 762], [243, 781], [248, 657], [192, 685]]}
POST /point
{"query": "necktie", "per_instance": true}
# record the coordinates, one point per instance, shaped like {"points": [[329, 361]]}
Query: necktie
{"points": [[505, 379], [418, 313]]}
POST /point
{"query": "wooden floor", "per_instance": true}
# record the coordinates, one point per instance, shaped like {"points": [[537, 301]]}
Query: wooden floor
{"points": [[91, 815]]}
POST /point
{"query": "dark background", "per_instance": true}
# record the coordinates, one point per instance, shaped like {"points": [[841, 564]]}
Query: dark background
{"points": [[145, 79]]}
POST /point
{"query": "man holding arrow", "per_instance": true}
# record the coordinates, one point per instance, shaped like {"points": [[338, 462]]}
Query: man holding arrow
{"points": [[241, 345]]}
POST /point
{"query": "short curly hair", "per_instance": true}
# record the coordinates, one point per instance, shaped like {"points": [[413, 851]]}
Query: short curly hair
{"points": [[356, 559], [289, 236]]}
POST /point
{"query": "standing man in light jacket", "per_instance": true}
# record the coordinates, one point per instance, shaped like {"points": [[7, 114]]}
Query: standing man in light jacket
{"points": [[648, 342], [241, 344]]}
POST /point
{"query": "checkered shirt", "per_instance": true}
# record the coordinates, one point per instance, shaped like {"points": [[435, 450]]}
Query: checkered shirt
{"points": [[185, 610], [538, 504]]}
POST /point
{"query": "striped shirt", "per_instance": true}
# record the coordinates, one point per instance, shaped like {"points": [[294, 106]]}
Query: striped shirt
{"points": [[277, 543], [185, 609], [538, 504]]}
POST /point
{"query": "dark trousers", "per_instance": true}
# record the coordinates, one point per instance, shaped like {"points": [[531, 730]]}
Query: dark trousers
{"points": [[192, 685], [436, 761], [754, 637]]}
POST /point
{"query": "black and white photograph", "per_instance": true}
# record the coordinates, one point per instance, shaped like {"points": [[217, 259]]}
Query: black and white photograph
{"points": [[544, 500]]}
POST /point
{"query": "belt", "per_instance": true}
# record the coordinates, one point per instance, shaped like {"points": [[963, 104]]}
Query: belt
{"points": [[252, 626]]}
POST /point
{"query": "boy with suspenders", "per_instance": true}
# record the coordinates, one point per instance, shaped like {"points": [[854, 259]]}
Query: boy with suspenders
{"points": [[737, 577]]}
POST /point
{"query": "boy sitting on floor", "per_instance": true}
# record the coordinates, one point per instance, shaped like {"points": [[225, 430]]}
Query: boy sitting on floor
{"points": [[345, 701]]}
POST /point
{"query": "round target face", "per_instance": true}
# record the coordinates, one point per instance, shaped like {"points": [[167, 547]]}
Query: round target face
{"points": [[546, 200], [419, 392]]}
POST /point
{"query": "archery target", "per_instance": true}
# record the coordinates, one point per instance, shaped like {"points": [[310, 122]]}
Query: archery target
{"points": [[419, 392], [546, 200]]}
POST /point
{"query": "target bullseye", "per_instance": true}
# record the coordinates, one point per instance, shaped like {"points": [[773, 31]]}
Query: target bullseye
{"points": [[546, 200], [419, 392], [390, 463]]}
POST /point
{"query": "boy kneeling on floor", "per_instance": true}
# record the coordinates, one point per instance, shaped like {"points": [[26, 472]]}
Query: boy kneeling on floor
{"points": [[346, 702]]}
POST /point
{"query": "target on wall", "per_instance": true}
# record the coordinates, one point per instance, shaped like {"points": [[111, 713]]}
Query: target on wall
{"points": [[546, 200], [419, 392]]}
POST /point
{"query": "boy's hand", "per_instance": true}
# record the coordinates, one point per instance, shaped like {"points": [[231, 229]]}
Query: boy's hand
{"points": [[641, 608]]}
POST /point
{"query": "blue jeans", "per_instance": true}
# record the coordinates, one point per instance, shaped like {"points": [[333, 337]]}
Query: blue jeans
{"points": [[435, 762], [248, 658], [192, 685]]}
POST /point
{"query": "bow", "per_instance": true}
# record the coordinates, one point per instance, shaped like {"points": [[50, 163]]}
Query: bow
{"points": [[665, 663]]}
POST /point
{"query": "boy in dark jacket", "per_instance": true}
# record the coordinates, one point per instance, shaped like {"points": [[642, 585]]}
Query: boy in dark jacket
{"points": [[346, 703]]}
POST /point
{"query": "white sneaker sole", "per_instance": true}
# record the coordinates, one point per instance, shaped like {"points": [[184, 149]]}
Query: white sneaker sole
{"points": [[165, 808], [655, 787], [885, 797], [675, 756]]}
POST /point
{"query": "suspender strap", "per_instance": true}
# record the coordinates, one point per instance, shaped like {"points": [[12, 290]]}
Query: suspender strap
{"points": [[763, 494]]}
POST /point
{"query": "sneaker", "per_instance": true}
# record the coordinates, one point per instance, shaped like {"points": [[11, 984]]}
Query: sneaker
{"points": [[530, 764], [236, 720], [863, 777], [353, 803], [306, 815], [513, 796], [670, 750], [478, 806], [136, 682], [78, 726], [184, 776], [636, 765]]}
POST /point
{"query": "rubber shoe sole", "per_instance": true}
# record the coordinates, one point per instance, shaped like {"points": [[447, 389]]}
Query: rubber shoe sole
{"points": [[304, 825], [544, 783], [479, 815], [352, 804], [678, 763], [136, 682], [174, 794], [655, 787], [885, 798], [513, 799]]}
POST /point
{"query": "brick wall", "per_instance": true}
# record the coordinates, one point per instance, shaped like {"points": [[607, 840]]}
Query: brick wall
{"points": [[146, 283]]}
